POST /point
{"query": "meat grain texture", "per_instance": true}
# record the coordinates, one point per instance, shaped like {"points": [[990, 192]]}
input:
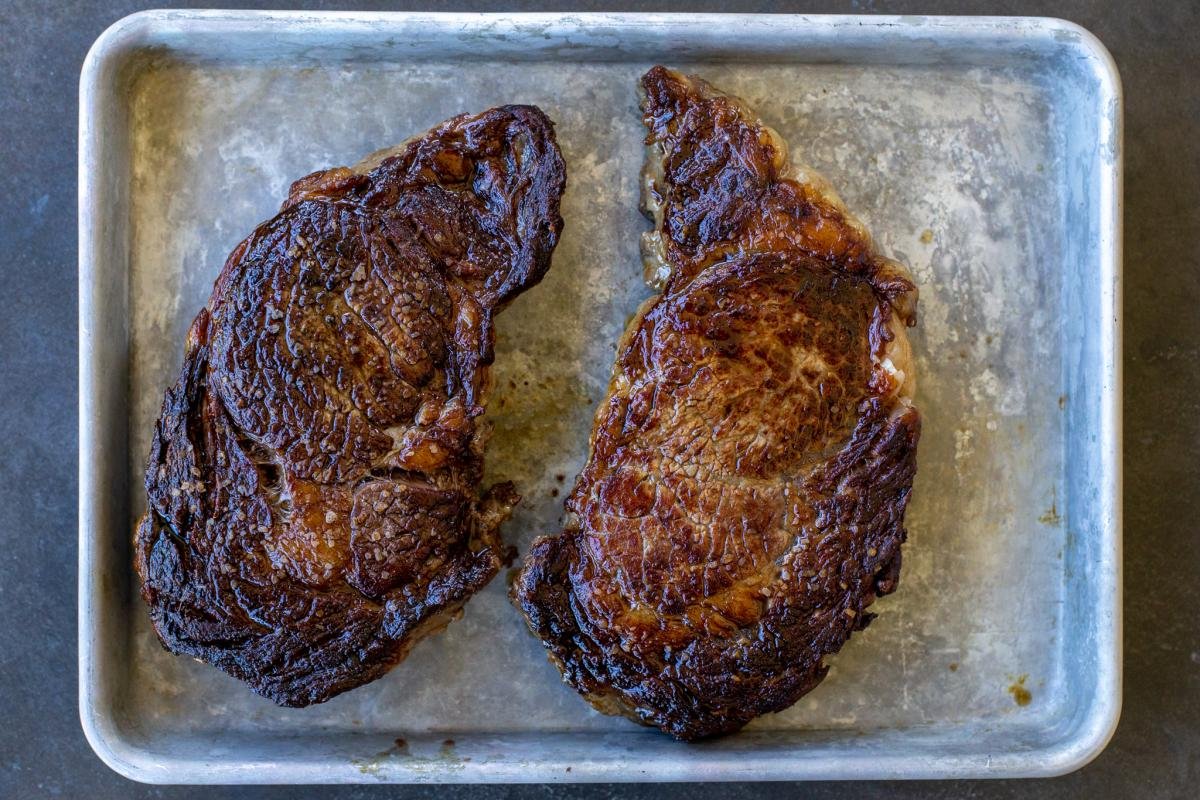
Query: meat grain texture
{"points": [[743, 502], [313, 503]]}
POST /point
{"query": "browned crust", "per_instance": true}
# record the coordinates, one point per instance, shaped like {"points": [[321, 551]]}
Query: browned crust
{"points": [[313, 504], [743, 501]]}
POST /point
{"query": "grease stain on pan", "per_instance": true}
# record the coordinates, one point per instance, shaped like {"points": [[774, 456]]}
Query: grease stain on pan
{"points": [[401, 756], [1051, 516], [1020, 695]]}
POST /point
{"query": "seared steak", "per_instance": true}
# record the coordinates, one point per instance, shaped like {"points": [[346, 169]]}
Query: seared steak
{"points": [[743, 502], [313, 482]]}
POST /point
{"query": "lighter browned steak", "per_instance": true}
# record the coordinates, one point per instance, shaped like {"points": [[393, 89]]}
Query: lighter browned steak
{"points": [[743, 502]]}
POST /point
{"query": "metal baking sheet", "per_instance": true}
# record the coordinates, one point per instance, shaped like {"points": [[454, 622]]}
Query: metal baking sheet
{"points": [[984, 153]]}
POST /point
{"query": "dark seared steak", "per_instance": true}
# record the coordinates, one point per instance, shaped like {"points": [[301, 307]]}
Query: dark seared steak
{"points": [[313, 483], [743, 503]]}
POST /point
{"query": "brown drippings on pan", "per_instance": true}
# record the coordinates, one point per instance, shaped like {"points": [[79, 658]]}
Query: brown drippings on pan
{"points": [[1020, 695], [926, 236], [377, 765], [1051, 516], [953, 666], [532, 411]]}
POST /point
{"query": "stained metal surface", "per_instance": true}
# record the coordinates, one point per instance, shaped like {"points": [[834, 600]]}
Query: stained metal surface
{"points": [[983, 153]]}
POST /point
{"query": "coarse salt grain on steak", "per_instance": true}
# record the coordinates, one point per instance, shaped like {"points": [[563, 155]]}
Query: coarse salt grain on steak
{"points": [[743, 501], [313, 482]]}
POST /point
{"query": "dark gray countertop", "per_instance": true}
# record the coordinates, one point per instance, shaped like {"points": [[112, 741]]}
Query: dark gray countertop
{"points": [[1156, 751]]}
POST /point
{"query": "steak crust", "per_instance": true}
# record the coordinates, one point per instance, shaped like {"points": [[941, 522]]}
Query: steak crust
{"points": [[313, 504], [743, 501]]}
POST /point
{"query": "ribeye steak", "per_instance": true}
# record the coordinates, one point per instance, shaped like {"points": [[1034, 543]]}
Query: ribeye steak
{"points": [[743, 501], [313, 482]]}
